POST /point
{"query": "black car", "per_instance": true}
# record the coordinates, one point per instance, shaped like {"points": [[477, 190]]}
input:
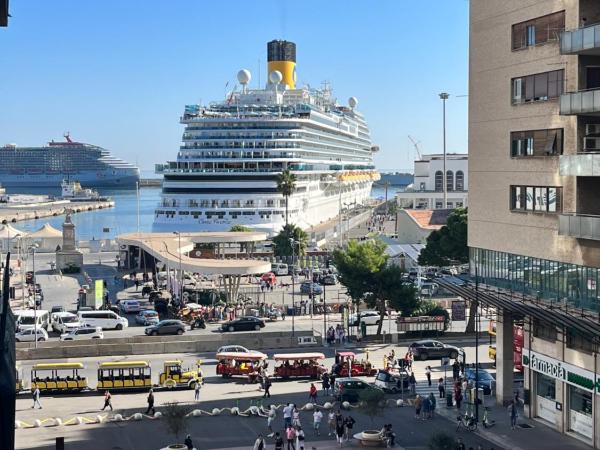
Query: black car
{"points": [[243, 324], [429, 349], [166, 327]]}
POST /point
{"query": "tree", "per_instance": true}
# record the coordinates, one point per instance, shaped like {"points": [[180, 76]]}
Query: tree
{"points": [[286, 184], [283, 245], [371, 402], [367, 277], [441, 441], [175, 416], [239, 228], [448, 245]]}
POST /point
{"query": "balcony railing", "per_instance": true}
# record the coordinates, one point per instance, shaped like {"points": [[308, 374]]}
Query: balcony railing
{"points": [[580, 226], [580, 165], [581, 102], [583, 40]]}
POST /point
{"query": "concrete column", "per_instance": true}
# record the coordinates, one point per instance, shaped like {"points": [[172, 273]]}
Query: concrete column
{"points": [[504, 358]]}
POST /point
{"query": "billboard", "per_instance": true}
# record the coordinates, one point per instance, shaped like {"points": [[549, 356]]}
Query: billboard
{"points": [[99, 294]]}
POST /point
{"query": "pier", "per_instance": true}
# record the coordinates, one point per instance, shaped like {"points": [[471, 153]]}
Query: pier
{"points": [[16, 213]]}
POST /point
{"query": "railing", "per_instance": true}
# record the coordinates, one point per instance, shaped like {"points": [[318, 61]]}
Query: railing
{"points": [[580, 39], [580, 102], [582, 164], [580, 226]]}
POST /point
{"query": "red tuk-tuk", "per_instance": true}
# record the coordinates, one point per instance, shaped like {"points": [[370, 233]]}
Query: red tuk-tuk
{"points": [[288, 365], [347, 366], [238, 363]]}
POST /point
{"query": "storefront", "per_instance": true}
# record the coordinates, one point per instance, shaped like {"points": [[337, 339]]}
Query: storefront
{"points": [[562, 394]]}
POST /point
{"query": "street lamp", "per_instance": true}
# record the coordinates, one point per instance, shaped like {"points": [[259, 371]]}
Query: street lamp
{"points": [[293, 244], [33, 247], [180, 271], [444, 96]]}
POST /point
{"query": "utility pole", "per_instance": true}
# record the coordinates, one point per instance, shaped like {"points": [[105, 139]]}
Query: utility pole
{"points": [[387, 209], [444, 96]]}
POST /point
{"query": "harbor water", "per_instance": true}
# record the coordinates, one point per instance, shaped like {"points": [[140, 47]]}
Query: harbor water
{"points": [[108, 223]]}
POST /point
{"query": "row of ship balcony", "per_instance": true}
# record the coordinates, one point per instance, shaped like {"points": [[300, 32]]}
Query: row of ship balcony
{"points": [[165, 168], [221, 204]]}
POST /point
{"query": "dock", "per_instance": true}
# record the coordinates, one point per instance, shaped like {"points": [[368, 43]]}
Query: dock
{"points": [[17, 213]]}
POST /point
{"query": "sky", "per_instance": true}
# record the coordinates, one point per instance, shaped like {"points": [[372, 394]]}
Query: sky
{"points": [[118, 73]]}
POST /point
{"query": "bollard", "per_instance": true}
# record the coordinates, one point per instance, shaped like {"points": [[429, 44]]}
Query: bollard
{"points": [[60, 443]]}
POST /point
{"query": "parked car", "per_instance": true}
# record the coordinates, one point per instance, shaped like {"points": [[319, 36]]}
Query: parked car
{"points": [[430, 349], [350, 389], [166, 327], [104, 319], [147, 317], [63, 322], [485, 380], [392, 382], [28, 319], [368, 316], [329, 280], [247, 323], [130, 306], [279, 269], [307, 287], [233, 349], [57, 309], [31, 335], [83, 333]]}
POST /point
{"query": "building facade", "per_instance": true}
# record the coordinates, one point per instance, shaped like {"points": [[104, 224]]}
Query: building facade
{"points": [[427, 190], [534, 169]]}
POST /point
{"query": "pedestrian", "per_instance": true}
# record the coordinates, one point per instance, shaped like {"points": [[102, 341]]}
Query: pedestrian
{"points": [[340, 429], [428, 374], [271, 415], [267, 386], [513, 413], [137, 284], [418, 405], [317, 418], [412, 382], [348, 426], [36, 398], [197, 392], [296, 417], [465, 389], [107, 401], [457, 395], [290, 434], [312, 393], [300, 439], [150, 401], [432, 405], [331, 423], [325, 383], [426, 407], [287, 415], [259, 444], [278, 441], [441, 388], [455, 370], [460, 445], [188, 442]]}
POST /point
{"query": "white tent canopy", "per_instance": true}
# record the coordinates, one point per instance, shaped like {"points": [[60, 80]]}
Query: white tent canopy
{"points": [[9, 232], [46, 231]]}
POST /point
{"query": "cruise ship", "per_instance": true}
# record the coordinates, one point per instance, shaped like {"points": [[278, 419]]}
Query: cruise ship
{"points": [[233, 151], [48, 166]]}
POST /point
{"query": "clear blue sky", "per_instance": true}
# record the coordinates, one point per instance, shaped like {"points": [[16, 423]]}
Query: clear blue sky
{"points": [[118, 73]]}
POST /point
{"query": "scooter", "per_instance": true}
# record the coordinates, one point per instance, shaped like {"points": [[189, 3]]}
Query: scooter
{"points": [[198, 322]]}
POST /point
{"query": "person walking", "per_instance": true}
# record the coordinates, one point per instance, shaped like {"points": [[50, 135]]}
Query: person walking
{"points": [[259, 444], [300, 437], [296, 417], [325, 383], [441, 388], [331, 423], [513, 413], [426, 407], [340, 429], [418, 405], [455, 370], [290, 434], [432, 405], [150, 401], [107, 401], [317, 419], [428, 374], [457, 395], [348, 427], [188, 442], [412, 382], [36, 398], [312, 393], [278, 441], [271, 415], [267, 386], [197, 392], [287, 415]]}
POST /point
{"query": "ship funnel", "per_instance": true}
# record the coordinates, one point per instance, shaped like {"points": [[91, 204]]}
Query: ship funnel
{"points": [[281, 57]]}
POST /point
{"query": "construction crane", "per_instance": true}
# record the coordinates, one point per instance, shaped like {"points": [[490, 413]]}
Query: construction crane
{"points": [[416, 145]]}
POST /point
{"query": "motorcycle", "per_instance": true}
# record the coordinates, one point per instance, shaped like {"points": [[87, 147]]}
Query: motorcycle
{"points": [[198, 322]]}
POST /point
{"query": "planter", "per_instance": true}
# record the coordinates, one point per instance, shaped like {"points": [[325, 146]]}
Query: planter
{"points": [[175, 447], [369, 438]]}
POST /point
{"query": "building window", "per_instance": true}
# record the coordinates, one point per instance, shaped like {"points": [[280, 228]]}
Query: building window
{"points": [[578, 342], [580, 411], [460, 180], [536, 143], [449, 180], [439, 205], [544, 331], [546, 386], [537, 87], [538, 31], [439, 181], [536, 198]]}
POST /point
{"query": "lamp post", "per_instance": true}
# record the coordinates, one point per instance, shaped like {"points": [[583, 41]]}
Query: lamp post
{"points": [[32, 248], [293, 244], [180, 271], [444, 96]]}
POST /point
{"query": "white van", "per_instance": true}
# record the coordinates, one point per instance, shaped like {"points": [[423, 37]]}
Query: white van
{"points": [[63, 322], [279, 269], [102, 319], [28, 319]]}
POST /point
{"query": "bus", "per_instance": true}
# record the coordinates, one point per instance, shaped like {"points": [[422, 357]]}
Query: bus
{"points": [[518, 342], [58, 377], [124, 375]]}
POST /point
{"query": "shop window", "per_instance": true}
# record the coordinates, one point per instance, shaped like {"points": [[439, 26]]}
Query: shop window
{"points": [[580, 411], [546, 387], [579, 342], [544, 331]]}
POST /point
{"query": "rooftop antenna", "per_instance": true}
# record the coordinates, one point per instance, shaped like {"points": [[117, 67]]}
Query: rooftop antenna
{"points": [[258, 73], [67, 136], [416, 146]]}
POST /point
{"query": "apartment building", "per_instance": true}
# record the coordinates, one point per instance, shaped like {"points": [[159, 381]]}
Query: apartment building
{"points": [[534, 176]]}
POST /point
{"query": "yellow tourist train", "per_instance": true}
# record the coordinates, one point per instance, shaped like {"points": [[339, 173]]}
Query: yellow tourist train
{"points": [[58, 377], [124, 375]]}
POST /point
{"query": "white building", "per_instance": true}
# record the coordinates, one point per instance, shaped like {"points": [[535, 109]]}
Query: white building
{"points": [[426, 192]]}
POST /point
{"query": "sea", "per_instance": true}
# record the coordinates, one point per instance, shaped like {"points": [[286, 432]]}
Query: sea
{"points": [[109, 223]]}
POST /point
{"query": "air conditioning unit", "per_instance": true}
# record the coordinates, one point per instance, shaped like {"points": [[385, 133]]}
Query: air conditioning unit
{"points": [[592, 129], [591, 143]]}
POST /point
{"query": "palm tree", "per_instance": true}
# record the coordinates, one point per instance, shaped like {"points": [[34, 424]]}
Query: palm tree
{"points": [[286, 184], [283, 241]]}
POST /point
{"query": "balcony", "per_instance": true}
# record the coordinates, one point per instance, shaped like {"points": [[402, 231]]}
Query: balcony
{"points": [[581, 102], [580, 165], [582, 41], [579, 226]]}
